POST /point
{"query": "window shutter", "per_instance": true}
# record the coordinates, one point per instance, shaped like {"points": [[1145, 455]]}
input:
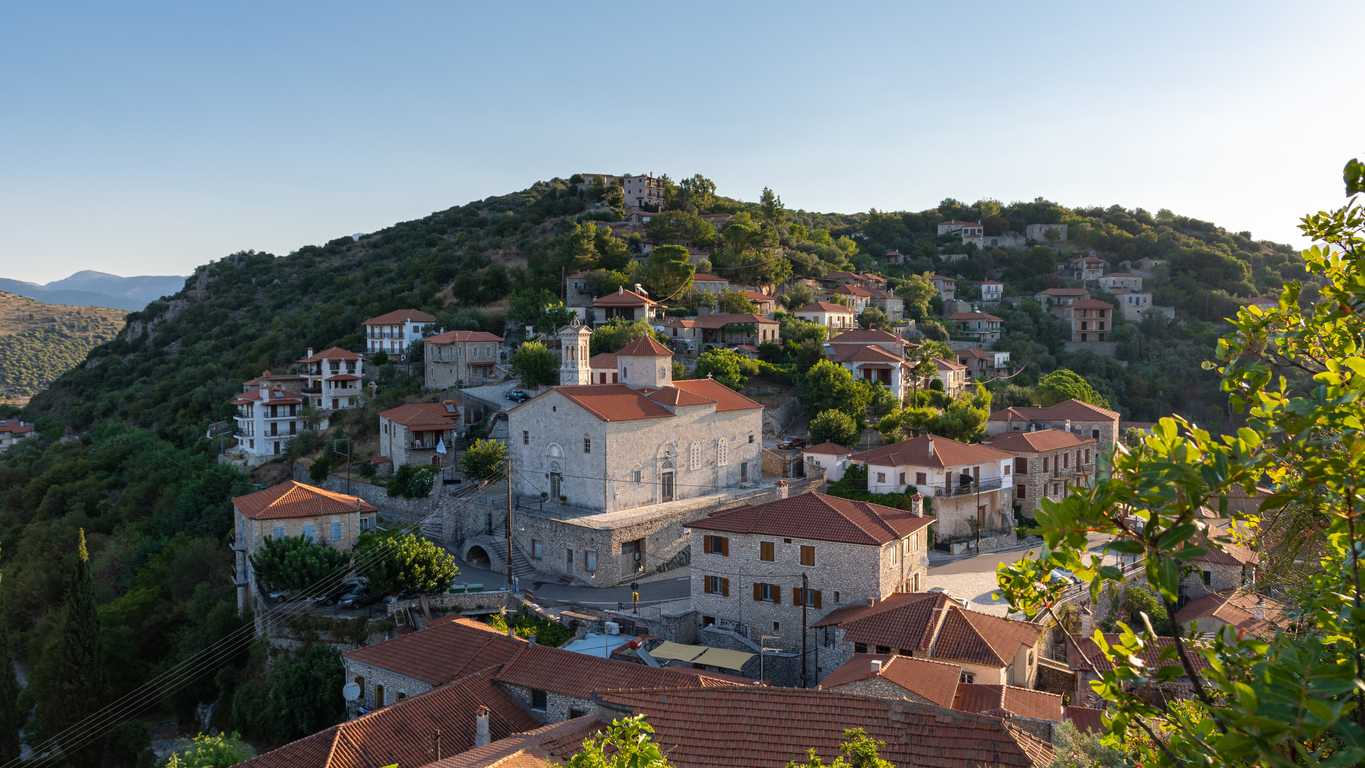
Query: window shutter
{"points": [[706, 544], [817, 598], [1020, 465], [725, 546], [796, 596], [758, 592], [724, 587], [706, 585], [777, 595]]}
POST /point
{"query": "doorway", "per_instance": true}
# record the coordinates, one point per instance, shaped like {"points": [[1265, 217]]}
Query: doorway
{"points": [[666, 486], [555, 485], [568, 561]]}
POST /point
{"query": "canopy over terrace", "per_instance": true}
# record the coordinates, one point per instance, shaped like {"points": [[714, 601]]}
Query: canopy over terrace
{"points": [[701, 654]]}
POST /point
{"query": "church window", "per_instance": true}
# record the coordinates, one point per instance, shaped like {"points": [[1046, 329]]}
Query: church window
{"points": [[695, 456], [722, 452], [587, 443]]}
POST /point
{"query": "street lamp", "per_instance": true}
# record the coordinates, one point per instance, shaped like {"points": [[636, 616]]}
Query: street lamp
{"points": [[763, 649]]}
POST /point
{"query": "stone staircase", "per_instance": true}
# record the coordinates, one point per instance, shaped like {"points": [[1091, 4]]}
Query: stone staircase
{"points": [[521, 564]]}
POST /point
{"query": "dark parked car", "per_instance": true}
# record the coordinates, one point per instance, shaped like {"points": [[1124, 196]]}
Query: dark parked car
{"points": [[518, 396], [792, 443], [361, 597], [331, 596], [281, 595]]}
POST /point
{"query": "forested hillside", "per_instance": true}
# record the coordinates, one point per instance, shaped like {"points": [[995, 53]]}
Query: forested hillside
{"points": [[39, 342]]}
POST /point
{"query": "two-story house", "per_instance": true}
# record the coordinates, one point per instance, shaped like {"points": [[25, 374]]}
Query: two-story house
{"points": [[833, 316], [984, 366], [12, 431], [267, 419], [966, 482], [1100, 424], [854, 296], [765, 304], [413, 433], [991, 290], [395, 332], [1134, 304], [1055, 300], [710, 284], [952, 374], [736, 329], [888, 302], [576, 291], [963, 228], [457, 358], [893, 257], [683, 332], [627, 305], [1047, 463], [946, 286], [1039, 233], [292, 509], [983, 327], [1083, 269], [756, 568], [1091, 319], [872, 362], [1120, 280], [334, 378]]}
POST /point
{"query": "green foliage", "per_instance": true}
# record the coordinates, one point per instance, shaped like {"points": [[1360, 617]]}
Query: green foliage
{"points": [[853, 485], [679, 371], [626, 743], [1079, 749], [39, 342], [797, 296], [209, 751], [320, 468], [835, 426], [616, 333], [409, 563], [668, 273], [548, 632], [412, 482], [729, 368], [1062, 385], [917, 292], [540, 309], [9, 695], [735, 303], [681, 227], [827, 386], [298, 698], [875, 319], [129, 745], [484, 460], [858, 751], [294, 562], [535, 365]]}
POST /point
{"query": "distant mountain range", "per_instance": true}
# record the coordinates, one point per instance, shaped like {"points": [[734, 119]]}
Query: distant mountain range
{"points": [[98, 289]]}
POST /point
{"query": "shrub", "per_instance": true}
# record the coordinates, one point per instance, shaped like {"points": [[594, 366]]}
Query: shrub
{"points": [[411, 482], [484, 460], [834, 426]]}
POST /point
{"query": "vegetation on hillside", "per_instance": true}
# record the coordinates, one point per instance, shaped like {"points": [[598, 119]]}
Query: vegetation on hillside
{"points": [[39, 342]]}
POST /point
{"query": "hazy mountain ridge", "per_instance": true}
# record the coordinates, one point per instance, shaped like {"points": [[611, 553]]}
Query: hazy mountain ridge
{"points": [[98, 289]]}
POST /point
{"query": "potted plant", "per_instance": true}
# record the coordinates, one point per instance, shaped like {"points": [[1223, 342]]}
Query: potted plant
{"points": [[544, 495], [563, 499]]}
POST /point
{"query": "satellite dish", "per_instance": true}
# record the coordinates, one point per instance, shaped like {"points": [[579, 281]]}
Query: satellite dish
{"points": [[350, 691]]}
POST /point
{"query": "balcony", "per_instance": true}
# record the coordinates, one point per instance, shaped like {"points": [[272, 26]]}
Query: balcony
{"points": [[967, 488]]}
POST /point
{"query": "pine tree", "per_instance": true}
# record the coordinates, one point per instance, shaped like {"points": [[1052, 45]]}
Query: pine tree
{"points": [[9, 696], [81, 684]]}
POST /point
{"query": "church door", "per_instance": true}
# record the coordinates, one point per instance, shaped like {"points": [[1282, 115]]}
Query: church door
{"points": [[666, 481]]}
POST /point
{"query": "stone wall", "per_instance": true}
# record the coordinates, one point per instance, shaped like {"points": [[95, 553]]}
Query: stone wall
{"points": [[1038, 482], [473, 602], [371, 678], [778, 418], [375, 495], [879, 688], [558, 707], [1106, 348], [1054, 677]]}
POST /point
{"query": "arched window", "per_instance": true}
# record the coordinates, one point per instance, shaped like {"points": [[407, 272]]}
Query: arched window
{"points": [[722, 452], [695, 456]]}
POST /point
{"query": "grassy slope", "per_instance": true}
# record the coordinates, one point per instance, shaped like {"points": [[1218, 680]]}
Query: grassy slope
{"points": [[39, 342]]}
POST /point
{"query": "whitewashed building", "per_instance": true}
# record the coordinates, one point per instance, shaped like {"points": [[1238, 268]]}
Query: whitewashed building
{"points": [[395, 332]]}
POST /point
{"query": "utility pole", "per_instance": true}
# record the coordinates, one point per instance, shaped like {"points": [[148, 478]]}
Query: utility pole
{"points": [[805, 590], [763, 650], [509, 521], [436, 743]]}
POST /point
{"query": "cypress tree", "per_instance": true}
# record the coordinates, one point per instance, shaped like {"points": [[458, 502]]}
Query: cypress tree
{"points": [[9, 695], [81, 681]]}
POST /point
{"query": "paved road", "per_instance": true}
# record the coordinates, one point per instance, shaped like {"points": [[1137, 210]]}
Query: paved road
{"points": [[553, 595], [987, 562]]}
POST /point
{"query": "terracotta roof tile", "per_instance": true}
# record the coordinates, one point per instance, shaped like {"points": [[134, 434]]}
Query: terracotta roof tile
{"points": [[865, 337], [604, 360], [623, 298], [1040, 440], [850, 290], [277, 396], [1067, 409], [720, 321], [676, 397], [817, 516], [644, 346], [754, 727], [867, 354], [1007, 700], [1091, 304], [935, 681], [612, 402], [948, 365], [726, 399], [982, 639], [828, 448], [1064, 292], [453, 337], [547, 745], [401, 734], [294, 499], [708, 279], [1084, 655], [332, 353], [1235, 608], [1086, 719], [400, 316], [905, 620], [439, 653], [578, 675], [824, 306], [424, 415], [15, 428], [915, 452]]}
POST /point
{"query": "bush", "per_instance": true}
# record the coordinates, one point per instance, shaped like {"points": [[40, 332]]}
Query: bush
{"points": [[320, 469], [834, 426], [412, 482], [729, 368], [379, 359], [547, 631], [484, 460]]}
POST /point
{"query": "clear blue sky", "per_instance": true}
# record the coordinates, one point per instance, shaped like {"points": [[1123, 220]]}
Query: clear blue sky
{"points": [[150, 138]]}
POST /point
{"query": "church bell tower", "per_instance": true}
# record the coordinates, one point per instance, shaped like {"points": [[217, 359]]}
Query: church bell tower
{"points": [[573, 354]]}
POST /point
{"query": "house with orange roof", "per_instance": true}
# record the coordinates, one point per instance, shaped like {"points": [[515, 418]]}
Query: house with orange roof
{"points": [[1073, 415], [292, 509], [627, 305], [14, 430], [946, 286], [395, 332], [952, 374], [758, 569], [729, 329], [1047, 463], [459, 358], [267, 418], [981, 326], [872, 362], [710, 284], [1233, 611], [888, 302], [982, 365], [835, 317], [766, 304], [966, 482], [855, 297], [831, 457], [334, 378], [895, 676], [412, 433]]}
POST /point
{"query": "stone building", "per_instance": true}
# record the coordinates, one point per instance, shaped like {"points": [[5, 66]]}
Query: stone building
{"points": [[984, 366], [1090, 319], [893, 676], [1039, 232], [292, 509], [710, 284], [966, 482], [760, 569], [394, 332], [334, 377], [983, 327], [736, 329], [888, 302], [642, 191], [1098, 423], [946, 286], [1055, 300], [1232, 611], [1120, 281], [1047, 463], [931, 625], [576, 291], [573, 352], [412, 432], [833, 316], [12, 431], [1085, 268], [1227, 564], [459, 358]]}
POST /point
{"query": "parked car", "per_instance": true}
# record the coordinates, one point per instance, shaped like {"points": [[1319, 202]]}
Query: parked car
{"points": [[1066, 577], [331, 596], [518, 396], [281, 595], [792, 443], [361, 597]]}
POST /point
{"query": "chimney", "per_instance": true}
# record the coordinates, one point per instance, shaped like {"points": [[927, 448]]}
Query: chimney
{"points": [[876, 666], [1086, 627], [310, 352], [1259, 610], [931, 446], [531, 641], [1068, 425], [871, 601], [620, 289], [783, 491], [481, 735], [917, 505], [265, 393]]}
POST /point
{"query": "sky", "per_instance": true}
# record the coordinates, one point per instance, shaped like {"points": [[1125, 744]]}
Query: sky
{"points": [[149, 138]]}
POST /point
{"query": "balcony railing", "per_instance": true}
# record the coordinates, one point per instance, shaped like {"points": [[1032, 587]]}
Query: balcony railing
{"points": [[967, 488]]}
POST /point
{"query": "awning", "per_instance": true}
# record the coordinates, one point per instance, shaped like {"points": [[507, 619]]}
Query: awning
{"points": [[723, 657], [678, 651]]}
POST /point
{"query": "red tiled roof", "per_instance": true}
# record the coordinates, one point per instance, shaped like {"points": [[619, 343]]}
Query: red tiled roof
{"points": [[817, 516], [545, 746], [720, 321], [332, 353], [708, 279], [676, 397], [623, 298], [342, 377], [828, 448], [752, 727], [423, 414], [612, 402], [759, 298], [676, 322], [400, 316], [604, 360], [1084, 655], [578, 675], [1041, 440], [1091, 304], [915, 452], [294, 499], [1008, 701], [904, 620], [964, 316], [441, 652], [1222, 551], [453, 337], [824, 306], [1085, 719], [935, 681], [948, 365], [867, 354], [850, 290], [644, 346], [1063, 292], [976, 354], [1067, 409], [858, 336], [726, 399], [982, 639], [401, 734], [15, 428], [280, 396], [1236, 608]]}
